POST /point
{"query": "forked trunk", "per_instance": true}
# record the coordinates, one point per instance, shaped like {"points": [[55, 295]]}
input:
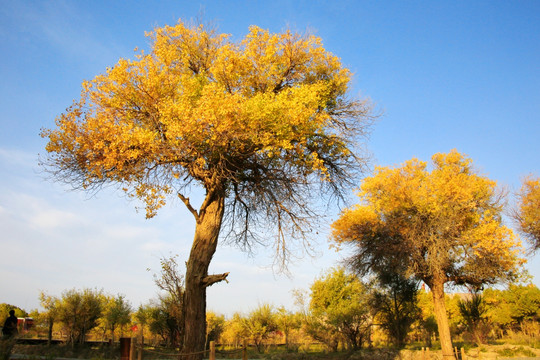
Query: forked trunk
{"points": [[197, 280], [437, 290]]}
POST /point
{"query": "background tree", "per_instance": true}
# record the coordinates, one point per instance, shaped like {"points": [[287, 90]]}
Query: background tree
{"points": [[142, 317], [511, 307], [473, 310], [393, 299], [117, 312], [287, 322], [171, 282], [340, 306], [260, 324], [234, 331], [261, 125], [215, 324], [528, 213], [79, 312], [157, 323], [444, 224], [165, 321], [50, 304]]}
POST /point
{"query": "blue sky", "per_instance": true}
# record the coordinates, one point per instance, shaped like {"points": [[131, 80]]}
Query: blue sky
{"points": [[443, 75]]}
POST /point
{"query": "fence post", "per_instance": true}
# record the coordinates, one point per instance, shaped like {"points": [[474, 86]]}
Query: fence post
{"points": [[125, 347], [427, 354], [423, 354], [132, 348], [463, 356], [141, 347], [212, 355], [244, 350]]}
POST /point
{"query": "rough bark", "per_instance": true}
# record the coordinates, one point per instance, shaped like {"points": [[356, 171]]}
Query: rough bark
{"points": [[205, 241], [437, 290]]}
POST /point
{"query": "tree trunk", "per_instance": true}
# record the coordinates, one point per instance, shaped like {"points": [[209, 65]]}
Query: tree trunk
{"points": [[197, 280], [437, 290], [50, 331]]}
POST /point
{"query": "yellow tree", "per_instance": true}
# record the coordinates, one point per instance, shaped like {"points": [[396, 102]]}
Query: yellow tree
{"points": [[261, 125], [528, 213], [442, 225]]}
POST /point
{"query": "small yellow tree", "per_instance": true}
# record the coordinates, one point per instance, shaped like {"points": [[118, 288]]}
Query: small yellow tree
{"points": [[528, 214], [442, 226], [261, 125]]}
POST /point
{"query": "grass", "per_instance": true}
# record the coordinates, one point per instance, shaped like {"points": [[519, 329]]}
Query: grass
{"points": [[513, 352], [506, 350], [68, 351]]}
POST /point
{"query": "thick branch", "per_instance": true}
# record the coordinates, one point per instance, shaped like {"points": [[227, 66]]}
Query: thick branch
{"points": [[188, 205], [212, 279]]}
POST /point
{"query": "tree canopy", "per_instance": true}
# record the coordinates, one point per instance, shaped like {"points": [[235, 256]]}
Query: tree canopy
{"points": [[261, 120], [116, 312], [340, 309], [513, 306], [6, 308], [79, 311], [445, 222], [442, 225]]}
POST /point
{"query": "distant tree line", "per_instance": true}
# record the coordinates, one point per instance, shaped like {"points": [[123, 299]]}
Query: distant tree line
{"points": [[340, 311]]}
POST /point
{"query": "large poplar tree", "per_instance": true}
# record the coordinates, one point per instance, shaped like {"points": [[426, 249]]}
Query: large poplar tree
{"points": [[262, 125], [441, 225]]}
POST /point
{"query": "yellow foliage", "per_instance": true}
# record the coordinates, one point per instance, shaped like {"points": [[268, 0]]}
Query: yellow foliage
{"points": [[529, 210], [203, 107], [446, 221]]}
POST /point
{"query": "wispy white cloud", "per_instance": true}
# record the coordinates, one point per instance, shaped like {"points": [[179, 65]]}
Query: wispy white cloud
{"points": [[17, 157], [38, 213]]}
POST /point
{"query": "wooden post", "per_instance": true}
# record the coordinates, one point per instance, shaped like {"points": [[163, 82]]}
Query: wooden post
{"points": [[244, 350], [132, 349], [428, 357], [423, 353], [463, 356], [141, 347], [212, 355], [125, 345]]}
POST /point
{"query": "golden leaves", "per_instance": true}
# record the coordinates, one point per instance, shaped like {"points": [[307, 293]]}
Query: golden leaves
{"points": [[450, 216], [199, 104], [528, 214]]}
